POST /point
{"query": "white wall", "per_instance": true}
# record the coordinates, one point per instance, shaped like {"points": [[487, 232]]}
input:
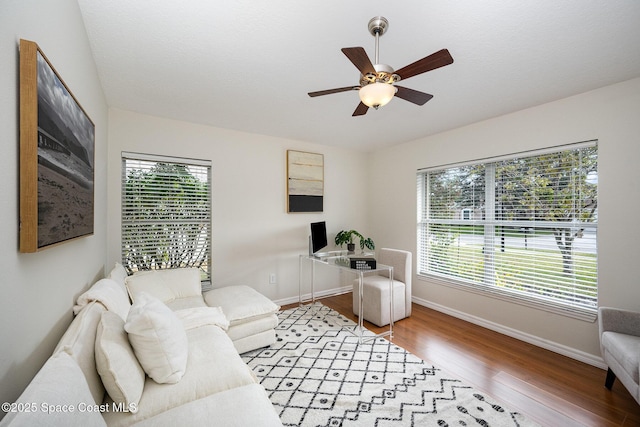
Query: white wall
{"points": [[38, 290], [611, 115], [252, 234]]}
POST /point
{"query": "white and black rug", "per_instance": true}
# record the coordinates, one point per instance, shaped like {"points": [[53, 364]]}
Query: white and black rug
{"points": [[318, 375]]}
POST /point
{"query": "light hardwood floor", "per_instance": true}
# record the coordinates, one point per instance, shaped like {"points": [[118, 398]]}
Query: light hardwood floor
{"points": [[552, 389]]}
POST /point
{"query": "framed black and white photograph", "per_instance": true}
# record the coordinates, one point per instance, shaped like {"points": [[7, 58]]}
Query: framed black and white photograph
{"points": [[57, 145]]}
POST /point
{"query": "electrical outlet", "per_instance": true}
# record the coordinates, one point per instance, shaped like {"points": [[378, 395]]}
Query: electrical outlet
{"points": [[272, 278]]}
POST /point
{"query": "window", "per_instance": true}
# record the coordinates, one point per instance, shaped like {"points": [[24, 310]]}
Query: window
{"points": [[521, 227], [166, 213]]}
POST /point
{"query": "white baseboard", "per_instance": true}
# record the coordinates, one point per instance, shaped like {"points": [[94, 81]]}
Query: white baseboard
{"points": [[564, 350], [319, 294]]}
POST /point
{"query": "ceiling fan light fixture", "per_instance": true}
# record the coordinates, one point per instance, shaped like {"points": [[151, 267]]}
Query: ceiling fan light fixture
{"points": [[376, 94]]}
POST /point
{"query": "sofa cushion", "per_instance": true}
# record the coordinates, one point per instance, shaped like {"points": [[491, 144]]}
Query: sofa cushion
{"points": [[121, 373], [213, 366], [239, 407], [186, 302], [258, 325], [200, 316], [158, 339], [240, 303], [166, 285], [59, 382]]}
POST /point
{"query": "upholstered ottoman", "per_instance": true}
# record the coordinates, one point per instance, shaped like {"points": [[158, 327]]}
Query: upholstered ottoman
{"points": [[252, 316]]}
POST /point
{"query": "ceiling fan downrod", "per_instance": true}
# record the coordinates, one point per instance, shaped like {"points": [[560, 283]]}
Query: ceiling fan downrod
{"points": [[378, 26]]}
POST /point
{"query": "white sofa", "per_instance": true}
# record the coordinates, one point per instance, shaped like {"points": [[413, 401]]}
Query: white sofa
{"points": [[168, 359]]}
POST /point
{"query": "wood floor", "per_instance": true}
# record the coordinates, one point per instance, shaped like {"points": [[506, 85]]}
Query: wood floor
{"points": [[551, 389]]}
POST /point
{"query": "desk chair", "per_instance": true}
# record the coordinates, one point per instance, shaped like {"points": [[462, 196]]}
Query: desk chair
{"points": [[375, 288]]}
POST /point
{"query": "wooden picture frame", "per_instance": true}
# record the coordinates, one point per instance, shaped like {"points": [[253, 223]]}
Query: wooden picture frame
{"points": [[57, 146], [305, 181]]}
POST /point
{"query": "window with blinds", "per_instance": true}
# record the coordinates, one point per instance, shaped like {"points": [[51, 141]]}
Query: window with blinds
{"points": [[166, 213], [520, 227]]}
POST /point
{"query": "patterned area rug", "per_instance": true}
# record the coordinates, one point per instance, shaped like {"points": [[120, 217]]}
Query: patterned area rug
{"points": [[318, 375]]}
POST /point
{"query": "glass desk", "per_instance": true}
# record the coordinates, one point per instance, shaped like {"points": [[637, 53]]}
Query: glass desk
{"points": [[341, 260]]}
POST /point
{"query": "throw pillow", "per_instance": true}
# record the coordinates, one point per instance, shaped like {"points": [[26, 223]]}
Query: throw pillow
{"points": [[121, 373], [158, 339]]}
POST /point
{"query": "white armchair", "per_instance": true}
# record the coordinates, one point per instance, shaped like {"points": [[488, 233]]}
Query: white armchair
{"points": [[376, 295], [620, 347]]}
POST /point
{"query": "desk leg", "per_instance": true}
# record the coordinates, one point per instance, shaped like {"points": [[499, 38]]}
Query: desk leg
{"points": [[313, 274], [300, 281], [391, 314], [313, 278], [361, 307]]}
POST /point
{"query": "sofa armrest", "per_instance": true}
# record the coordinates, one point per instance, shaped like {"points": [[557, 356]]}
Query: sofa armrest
{"points": [[618, 320], [57, 396]]}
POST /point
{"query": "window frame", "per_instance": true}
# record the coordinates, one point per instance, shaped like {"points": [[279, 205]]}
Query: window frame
{"points": [[491, 289], [205, 166]]}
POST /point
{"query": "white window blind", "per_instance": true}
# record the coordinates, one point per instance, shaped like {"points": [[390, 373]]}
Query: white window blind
{"points": [[166, 213], [521, 227]]}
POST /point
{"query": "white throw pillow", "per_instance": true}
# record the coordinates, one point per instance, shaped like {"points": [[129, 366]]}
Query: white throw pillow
{"points": [[158, 339], [166, 285], [121, 373]]}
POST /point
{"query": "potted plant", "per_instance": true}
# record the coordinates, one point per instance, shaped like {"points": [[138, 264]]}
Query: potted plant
{"points": [[347, 237]]}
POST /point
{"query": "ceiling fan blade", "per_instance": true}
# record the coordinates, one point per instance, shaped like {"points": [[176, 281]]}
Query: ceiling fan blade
{"points": [[428, 63], [359, 58], [361, 110], [330, 91], [417, 97]]}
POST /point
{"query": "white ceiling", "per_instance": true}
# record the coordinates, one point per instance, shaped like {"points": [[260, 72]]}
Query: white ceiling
{"points": [[248, 64]]}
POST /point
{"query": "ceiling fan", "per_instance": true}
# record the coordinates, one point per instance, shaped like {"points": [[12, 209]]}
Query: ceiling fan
{"points": [[377, 81]]}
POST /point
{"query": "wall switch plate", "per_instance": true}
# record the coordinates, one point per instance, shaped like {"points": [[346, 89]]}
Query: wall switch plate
{"points": [[272, 278]]}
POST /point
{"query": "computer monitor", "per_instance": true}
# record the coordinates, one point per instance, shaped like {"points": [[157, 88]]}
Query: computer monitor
{"points": [[318, 239]]}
